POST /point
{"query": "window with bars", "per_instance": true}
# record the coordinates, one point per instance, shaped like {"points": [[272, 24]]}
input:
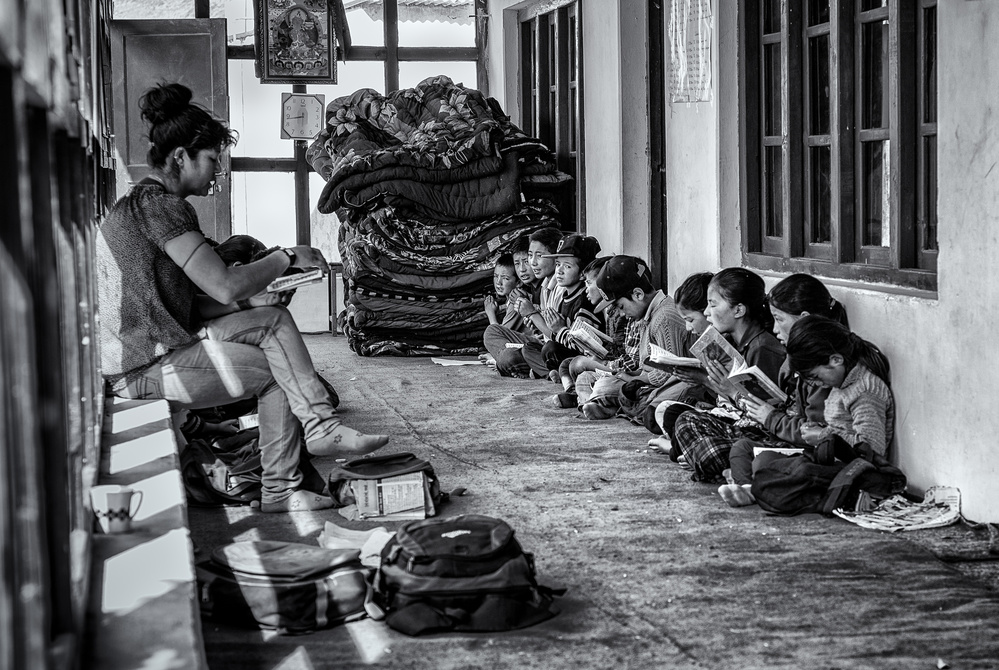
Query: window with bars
{"points": [[839, 157], [550, 92]]}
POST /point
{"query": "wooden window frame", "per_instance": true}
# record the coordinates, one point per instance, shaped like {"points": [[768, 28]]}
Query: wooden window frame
{"points": [[551, 89], [912, 184], [391, 54]]}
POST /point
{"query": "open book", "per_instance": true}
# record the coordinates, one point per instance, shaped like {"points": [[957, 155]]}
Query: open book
{"points": [[291, 281], [590, 340], [712, 345]]}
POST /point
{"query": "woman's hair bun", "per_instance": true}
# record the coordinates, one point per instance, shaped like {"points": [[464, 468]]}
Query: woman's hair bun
{"points": [[164, 102]]}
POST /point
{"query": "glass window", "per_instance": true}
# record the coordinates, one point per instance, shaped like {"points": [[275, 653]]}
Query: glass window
{"points": [[324, 226], [412, 73], [450, 25], [366, 22], [352, 76], [255, 112], [263, 205], [239, 15]]}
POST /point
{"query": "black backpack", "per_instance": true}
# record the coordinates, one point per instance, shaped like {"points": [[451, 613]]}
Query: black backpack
{"points": [[463, 573], [213, 477], [381, 466], [828, 477], [287, 587]]}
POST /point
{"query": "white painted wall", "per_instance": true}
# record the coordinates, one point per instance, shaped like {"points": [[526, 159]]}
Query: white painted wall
{"points": [[940, 345], [615, 109]]}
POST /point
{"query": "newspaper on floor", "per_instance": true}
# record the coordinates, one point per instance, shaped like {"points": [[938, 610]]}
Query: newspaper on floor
{"points": [[941, 506], [456, 361]]}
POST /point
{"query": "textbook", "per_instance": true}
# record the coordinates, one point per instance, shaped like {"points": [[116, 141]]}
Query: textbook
{"points": [[292, 281], [589, 339], [394, 498], [712, 345]]}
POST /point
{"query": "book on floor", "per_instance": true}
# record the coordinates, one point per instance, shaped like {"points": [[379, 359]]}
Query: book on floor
{"points": [[394, 498]]}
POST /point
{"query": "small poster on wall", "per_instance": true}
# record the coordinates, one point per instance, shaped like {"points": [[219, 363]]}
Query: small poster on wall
{"points": [[296, 42], [689, 32]]}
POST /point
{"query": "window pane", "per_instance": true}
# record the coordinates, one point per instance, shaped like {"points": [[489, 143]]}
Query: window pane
{"points": [[872, 4], [351, 77], [876, 196], [412, 73], [771, 16], [818, 12], [820, 194], [818, 84], [773, 190], [239, 21], [930, 193], [254, 111], [874, 74], [263, 205], [930, 65], [325, 227], [449, 25], [366, 22], [771, 90]]}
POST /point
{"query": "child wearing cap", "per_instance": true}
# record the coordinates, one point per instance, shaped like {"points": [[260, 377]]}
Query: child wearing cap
{"points": [[627, 282], [613, 325], [569, 303], [505, 344]]}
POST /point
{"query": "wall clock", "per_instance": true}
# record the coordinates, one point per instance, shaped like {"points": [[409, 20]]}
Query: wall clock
{"points": [[303, 115]]}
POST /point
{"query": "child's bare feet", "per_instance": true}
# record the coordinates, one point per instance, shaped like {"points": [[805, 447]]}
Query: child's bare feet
{"points": [[737, 495], [344, 441], [299, 501], [660, 444]]}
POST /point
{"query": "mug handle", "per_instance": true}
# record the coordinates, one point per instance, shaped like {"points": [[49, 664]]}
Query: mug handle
{"points": [[137, 500]]}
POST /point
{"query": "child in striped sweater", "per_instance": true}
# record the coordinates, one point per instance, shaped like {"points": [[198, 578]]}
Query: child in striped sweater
{"points": [[860, 407]]}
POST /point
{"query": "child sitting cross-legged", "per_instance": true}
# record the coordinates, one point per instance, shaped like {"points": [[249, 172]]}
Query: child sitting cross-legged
{"points": [[504, 344], [859, 408], [612, 324], [569, 304], [626, 282]]}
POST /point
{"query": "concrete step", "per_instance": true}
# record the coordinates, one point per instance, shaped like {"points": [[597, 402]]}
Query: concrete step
{"points": [[143, 604]]}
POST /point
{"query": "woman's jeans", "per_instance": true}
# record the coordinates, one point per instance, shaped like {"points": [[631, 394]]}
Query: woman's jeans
{"points": [[257, 352]]}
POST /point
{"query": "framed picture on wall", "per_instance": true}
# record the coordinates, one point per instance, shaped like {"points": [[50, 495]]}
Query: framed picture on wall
{"points": [[296, 41]]}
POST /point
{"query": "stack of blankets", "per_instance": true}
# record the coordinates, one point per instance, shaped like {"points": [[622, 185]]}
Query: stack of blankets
{"points": [[430, 185]]}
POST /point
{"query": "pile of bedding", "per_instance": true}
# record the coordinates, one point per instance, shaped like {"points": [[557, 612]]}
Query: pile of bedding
{"points": [[430, 185]]}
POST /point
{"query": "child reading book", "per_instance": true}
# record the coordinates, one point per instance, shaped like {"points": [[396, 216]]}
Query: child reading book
{"points": [[600, 347], [791, 299], [737, 311]]}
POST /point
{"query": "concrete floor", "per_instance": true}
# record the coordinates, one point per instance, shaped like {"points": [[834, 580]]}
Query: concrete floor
{"points": [[660, 572]]}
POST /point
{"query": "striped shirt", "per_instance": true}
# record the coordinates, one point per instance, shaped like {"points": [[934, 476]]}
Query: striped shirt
{"points": [[862, 410]]}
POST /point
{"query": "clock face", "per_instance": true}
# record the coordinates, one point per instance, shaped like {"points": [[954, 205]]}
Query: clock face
{"points": [[302, 115]]}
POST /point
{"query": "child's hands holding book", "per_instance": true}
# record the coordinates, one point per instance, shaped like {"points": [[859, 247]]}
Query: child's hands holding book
{"points": [[718, 381], [756, 409]]}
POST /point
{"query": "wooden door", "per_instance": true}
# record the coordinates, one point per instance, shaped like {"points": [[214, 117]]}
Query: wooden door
{"points": [[191, 52]]}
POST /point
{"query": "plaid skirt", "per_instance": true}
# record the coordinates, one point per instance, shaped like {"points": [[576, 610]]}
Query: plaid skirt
{"points": [[705, 441]]}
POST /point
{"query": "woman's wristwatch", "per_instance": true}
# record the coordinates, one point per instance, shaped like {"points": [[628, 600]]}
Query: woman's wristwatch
{"points": [[291, 255]]}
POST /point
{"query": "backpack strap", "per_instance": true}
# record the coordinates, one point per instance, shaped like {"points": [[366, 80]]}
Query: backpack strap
{"points": [[842, 483]]}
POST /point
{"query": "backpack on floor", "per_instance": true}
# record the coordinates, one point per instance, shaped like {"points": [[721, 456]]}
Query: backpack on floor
{"points": [[382, 466], [213, 477], [287, 587], [832, 475], [463, 573]]}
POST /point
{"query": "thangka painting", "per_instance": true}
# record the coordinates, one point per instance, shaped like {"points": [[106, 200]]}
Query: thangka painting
{"points": [[296, 42]]}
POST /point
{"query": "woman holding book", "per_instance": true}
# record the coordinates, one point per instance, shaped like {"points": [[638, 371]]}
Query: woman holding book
{"points": [[177, 323], [738, 313]]}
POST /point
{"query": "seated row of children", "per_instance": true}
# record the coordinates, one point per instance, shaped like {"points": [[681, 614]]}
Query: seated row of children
{"points": [[553, 286]]}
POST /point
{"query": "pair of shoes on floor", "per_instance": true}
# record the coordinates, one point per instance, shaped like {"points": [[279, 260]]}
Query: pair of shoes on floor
{"points": [[737, 495], [564, 400]]}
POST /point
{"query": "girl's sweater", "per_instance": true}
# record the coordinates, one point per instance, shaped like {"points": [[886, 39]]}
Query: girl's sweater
{"points": [[862, 410]]}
